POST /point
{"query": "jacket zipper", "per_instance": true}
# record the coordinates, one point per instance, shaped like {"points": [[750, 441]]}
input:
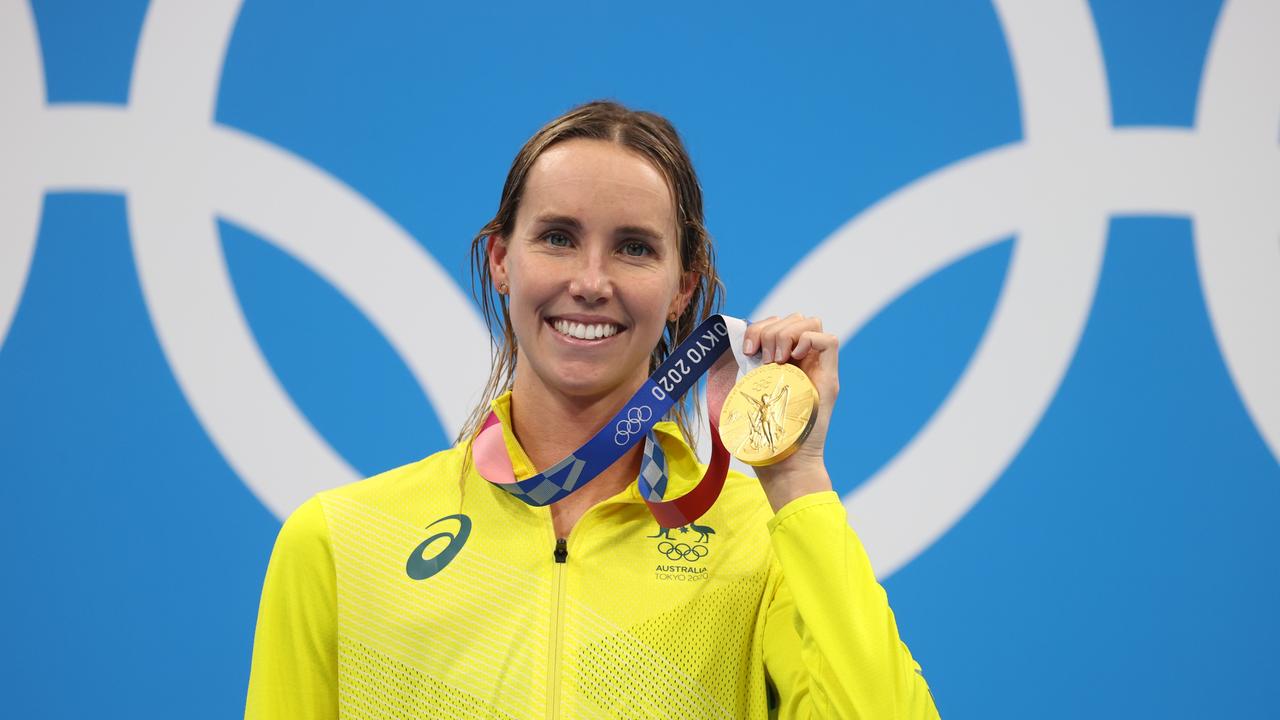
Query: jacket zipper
{"points": [[558, 569], [561, 556]]}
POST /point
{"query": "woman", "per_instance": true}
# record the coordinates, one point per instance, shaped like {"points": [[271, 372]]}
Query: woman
{"points": [[429, 592]]}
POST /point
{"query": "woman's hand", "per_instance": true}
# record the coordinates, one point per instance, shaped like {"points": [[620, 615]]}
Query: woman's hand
{"points": [[800, 341]]}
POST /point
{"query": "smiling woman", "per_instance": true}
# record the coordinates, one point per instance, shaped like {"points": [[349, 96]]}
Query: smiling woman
{"points": [[592, 271], [432, 590], [627, 173], [593, 249]]}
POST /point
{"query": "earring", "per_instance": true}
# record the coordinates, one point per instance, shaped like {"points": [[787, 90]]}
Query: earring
{"points": [[502, 288], [672, 317]]}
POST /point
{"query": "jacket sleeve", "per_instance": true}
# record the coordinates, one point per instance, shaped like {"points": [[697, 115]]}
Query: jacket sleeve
{"points": [[831, 646], [295, 654]]}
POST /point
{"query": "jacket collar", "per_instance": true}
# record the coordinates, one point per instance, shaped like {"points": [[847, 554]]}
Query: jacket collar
{"points": [[683, 469]]}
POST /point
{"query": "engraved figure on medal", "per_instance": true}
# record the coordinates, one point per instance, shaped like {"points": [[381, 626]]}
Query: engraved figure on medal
{"points": [[768, 414], [767, 417]]}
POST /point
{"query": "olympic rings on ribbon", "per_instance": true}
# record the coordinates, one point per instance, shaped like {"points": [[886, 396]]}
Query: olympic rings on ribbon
{"points": [[682, 551], [631, 424]]}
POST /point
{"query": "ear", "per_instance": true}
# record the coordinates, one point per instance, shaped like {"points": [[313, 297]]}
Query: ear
{"points": [[497, 252], [688, 283]]}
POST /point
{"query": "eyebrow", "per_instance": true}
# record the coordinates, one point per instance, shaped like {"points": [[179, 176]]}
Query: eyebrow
{"points": [[572, 222]]}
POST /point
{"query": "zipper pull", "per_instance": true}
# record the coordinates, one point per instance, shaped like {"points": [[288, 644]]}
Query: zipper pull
{"points": [[562, 550]]}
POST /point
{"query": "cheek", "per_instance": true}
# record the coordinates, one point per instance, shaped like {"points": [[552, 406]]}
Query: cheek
{"points": [[530, 283], [653, 303]]}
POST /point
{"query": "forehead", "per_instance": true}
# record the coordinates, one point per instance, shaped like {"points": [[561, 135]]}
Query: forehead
{"points": [[598, 182]]}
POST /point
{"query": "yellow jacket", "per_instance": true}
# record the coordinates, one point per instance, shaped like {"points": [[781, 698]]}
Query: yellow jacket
{"points": [[744, 614]]}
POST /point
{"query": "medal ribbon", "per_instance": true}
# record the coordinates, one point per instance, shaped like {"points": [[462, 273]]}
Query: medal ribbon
{"points": [[703, 352]]}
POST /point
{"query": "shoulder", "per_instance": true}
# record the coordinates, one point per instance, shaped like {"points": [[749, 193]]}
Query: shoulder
{"points": [[305, 531], [433, 480], [432, 472]]}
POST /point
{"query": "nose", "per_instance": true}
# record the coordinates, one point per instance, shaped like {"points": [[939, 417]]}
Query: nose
{"points": [[591, 282]]}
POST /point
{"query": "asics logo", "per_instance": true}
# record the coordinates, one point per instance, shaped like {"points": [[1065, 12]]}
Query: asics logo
{"points": [[421, 568], [631, 424]]}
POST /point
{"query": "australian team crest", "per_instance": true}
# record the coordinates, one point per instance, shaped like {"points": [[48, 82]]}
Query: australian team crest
{"points": [[684, 552]]}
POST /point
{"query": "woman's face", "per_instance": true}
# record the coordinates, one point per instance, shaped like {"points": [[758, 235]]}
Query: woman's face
{"points": [[593, 268]]}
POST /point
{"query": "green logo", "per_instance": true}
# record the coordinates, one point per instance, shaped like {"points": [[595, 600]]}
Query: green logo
{"points": [[690, 552], [704, 531], [420, 568]]}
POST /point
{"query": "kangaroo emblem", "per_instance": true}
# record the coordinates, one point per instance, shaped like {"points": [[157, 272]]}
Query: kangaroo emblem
{"points": [[704, 532]]}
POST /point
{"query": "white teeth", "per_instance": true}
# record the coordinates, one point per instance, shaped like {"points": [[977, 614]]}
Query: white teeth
{"points": [[585, 332]]}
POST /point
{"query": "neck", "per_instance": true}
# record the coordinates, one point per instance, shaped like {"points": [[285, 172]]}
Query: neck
{"points": [[550, 425]]}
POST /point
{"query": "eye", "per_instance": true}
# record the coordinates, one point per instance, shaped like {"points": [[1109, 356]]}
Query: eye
{"points": [[636, 248], [557, 239]]}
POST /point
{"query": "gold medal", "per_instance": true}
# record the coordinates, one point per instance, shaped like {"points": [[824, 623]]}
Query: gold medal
{"points": [[768, 414]]}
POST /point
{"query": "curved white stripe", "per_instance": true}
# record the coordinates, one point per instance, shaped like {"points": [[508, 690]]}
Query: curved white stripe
{"points": [[1239, 263], [1175, 171], [90, 147], [21, 64], [371, 260], [1237, 234], [1239, 90], [1019, 363], [325, 224], [183, 274], [998, 401], [184, 168], [213, 354], [178, 67], [1059, 70], [907, 237], [1044, 189], [22, 87]]}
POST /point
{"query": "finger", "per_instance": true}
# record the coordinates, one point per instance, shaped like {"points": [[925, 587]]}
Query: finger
{"points": [[816, 342], [803, 345], [812, 337], [789, 333], [822, 361], [770, 335], [751, 338]]}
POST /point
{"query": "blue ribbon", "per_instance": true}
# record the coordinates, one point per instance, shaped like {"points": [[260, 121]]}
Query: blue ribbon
{"points": [[676, 375]]}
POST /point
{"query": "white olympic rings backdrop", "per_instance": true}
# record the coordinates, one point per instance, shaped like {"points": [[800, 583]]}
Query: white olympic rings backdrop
{"points": [[1055, 190]]}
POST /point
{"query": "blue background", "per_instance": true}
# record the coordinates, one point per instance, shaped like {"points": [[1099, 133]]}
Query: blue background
{"points": [[1123, 565]]}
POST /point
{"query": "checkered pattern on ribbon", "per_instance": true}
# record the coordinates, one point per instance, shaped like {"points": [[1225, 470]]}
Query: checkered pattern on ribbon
{"points": [[550, 486], [557, 482], [652, 480]]}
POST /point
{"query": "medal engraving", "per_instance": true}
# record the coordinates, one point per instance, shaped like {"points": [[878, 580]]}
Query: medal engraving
{"points": [[768, 414]]}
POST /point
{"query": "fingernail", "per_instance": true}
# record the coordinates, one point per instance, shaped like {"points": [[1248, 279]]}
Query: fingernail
{"points": [[768, 356], [748, 346]]}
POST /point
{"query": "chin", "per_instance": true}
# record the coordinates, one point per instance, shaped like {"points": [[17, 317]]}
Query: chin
{"points": [[587, 378], [586, 387], [588, 381]]}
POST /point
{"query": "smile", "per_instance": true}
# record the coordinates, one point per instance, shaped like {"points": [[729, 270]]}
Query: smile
{"points": [[584, 331]]}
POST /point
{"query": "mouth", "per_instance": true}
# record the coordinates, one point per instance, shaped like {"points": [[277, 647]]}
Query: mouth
{"points": [[584, 331]]}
